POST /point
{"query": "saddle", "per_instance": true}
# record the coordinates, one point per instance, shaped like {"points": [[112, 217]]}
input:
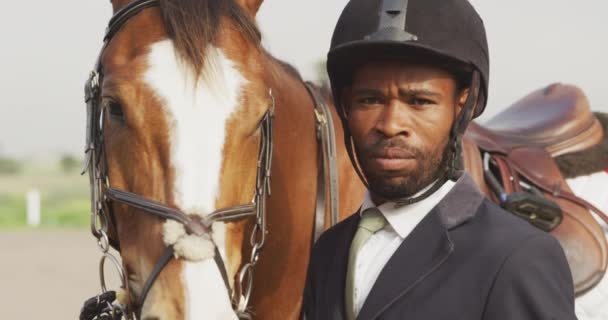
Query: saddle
{"points": [[512, 158]]}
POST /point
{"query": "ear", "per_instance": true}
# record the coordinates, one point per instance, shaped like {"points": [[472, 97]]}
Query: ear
{"points": [[345, 99], [251, 6], [462, 99]]}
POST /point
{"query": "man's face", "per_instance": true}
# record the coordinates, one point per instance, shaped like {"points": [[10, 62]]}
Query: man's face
{"points": [[400, 116]]}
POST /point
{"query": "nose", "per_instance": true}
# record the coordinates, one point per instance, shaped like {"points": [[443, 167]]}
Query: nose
{"points": [[394, 120]]}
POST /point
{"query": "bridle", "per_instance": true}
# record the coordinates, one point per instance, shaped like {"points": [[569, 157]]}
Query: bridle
{"points": [[103, 196]]}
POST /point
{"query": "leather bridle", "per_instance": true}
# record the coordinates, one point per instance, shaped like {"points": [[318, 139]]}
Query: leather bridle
{"points": [[103, 196]]}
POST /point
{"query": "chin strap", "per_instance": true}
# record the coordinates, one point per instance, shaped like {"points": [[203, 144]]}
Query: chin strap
{"points": [[434, 187], [460, 126]]}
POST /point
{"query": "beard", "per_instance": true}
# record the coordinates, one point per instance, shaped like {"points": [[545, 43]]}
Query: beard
{"points": [[430, 165]]}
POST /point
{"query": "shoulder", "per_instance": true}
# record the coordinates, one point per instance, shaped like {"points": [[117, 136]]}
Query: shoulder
{"points": [[517, 245], [524, 244], [495, 236], [533, 281], [499, 225], [527, 271]]}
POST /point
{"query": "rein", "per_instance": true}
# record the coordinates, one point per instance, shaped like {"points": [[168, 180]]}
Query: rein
{"points": [[103, 195]]}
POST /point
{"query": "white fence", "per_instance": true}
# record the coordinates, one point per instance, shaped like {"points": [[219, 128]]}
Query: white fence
{"points": [[33, 208]]}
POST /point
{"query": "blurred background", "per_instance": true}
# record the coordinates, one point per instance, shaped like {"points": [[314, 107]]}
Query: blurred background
{"points": [[48, 48]]}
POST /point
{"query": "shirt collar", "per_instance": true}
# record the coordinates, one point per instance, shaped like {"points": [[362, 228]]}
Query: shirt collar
{"points": [[404, 219]]}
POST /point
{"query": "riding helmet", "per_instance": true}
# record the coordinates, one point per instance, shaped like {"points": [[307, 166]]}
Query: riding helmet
{"points": [[443, 29]]}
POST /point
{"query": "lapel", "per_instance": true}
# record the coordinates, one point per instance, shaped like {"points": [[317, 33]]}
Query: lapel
{"points": [[424, 250], [336, 281]]}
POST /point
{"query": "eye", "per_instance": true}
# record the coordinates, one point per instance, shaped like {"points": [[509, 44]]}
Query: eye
{"points": [[420, 101], [369, 100], [114, 109]]}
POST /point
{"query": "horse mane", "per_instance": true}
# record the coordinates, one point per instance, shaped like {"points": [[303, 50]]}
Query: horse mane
{"points": [[194, 24], [589, 161], [287, 67]]}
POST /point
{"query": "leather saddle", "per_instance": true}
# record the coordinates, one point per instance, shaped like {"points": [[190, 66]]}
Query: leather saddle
{"points": [[511, 157]]}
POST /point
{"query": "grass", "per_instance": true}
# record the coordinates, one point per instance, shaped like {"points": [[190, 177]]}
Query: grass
{"points": [[64, 198], [12, 210]]}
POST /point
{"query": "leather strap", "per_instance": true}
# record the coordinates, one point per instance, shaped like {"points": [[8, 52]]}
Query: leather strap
{"points": [[217, 257], [505, 173], [537, 165], [546, 181], [160, 265], [194, 225], [167, 256], [584, 203], [329, 164], [123, 15]]}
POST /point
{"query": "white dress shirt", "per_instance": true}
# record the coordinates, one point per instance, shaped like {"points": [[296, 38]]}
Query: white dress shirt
{"points": [[376, 252]]}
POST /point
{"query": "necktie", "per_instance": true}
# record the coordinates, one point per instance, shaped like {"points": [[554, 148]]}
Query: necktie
{"points": [[371, 222]]}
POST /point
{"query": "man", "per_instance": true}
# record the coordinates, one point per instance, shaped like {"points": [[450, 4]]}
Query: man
{"points": [[408, 76]]}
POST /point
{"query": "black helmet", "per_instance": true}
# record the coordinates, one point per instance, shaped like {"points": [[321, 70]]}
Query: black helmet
{"points": [[443, 29], [449, 32]]}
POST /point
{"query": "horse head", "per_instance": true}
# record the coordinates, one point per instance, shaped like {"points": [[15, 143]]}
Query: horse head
{"points": [[183, 114]]}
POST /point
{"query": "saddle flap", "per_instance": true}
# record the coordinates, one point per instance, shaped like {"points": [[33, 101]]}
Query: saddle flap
{"points": [[536, 165], [579, 233]]}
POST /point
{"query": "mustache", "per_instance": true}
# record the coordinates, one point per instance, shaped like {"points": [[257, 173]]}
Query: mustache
{"points": [[394, 148]]}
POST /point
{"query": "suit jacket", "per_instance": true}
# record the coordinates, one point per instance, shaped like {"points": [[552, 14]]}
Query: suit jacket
{"points": [[467, 259]]}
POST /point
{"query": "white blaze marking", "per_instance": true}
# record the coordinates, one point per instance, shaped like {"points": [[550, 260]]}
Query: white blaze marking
{"points": [[197, 112]]}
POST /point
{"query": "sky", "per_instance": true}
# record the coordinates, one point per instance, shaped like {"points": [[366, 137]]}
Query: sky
{"points": [[48, 49]]}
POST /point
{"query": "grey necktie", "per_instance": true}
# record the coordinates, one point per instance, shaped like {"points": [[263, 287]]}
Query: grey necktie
{"points": [[371, 222]]}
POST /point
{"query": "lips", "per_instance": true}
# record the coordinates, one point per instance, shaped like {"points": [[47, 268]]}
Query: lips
{"points": [[393, 153], [392, 159]]}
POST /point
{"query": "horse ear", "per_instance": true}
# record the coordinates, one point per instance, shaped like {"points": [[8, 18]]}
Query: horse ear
{"points": [[252, 6]]}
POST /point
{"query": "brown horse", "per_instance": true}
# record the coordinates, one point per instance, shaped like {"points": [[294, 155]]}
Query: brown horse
{"points": [[185, 86]]}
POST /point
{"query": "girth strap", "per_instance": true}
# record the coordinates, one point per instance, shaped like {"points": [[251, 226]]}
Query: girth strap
{"points": [[328, 168]]}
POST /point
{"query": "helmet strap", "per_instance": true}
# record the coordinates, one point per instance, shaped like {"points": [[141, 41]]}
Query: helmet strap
{"points": [[455, 164], [350, 149]]}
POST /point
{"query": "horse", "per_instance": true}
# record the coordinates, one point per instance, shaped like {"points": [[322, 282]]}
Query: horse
{"points": [[188, 119], [545, 159]]}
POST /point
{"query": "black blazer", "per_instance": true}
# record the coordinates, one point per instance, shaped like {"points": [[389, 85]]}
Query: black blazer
{"points": [[467, 259]]}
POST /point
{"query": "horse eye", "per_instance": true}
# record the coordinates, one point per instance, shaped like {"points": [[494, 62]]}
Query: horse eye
{"points": [[114, 108]]}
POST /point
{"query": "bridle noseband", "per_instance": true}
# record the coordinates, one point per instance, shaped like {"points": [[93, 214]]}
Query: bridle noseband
{"points": [[103, 195]]}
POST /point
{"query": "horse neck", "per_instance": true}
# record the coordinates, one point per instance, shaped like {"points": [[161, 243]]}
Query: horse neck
{"points": [[295, 134], [290, 208]]}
